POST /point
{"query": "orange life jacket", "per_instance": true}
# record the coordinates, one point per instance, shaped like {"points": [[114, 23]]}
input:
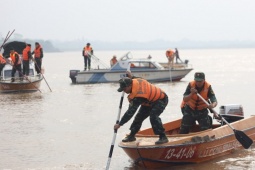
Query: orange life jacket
{"points": [[37, 52], [170, 54], [195, 102], [25, 53], [12, 55], [87, 51], [2, 59], [144, 89]]}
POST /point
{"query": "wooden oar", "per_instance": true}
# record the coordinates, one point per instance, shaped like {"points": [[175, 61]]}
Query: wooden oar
{"points": [[115, 130], [240, 135]]}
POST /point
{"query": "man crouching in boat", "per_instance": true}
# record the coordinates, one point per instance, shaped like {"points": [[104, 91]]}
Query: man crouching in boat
{"points": [[196, 109], [153, 101]]}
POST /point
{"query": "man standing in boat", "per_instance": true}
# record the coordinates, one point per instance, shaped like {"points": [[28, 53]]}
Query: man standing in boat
{"points": [[16, 64], [196, 109], [86, 53], [26, 54], [38, 51], [152, 100]]}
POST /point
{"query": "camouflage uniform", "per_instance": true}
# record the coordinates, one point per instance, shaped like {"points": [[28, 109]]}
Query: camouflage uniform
{"points": [[154, 111], [190, 115]]}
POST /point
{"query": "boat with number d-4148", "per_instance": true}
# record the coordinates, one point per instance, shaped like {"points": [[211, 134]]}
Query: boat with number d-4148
{"points": [[146, 68]]}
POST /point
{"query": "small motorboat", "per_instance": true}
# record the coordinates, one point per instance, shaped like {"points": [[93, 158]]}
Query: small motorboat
{"points": [[146, 68], [195, 147]]}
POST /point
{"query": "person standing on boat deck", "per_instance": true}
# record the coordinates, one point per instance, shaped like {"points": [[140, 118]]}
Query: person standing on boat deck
{"points": [[38, 55], [177, 57], [86, 53], [152, 100], [113, 60], [2, 64], [170, 57], [195, 109], [27, 55], [16, 64]]}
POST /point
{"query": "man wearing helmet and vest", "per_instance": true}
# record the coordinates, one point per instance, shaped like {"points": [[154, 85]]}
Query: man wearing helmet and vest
{"points": [[86, 53], [196, 109], [152, 100]]}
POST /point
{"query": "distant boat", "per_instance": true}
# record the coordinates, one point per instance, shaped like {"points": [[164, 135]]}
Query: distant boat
{"points": [[28, 83], [146, 68]]}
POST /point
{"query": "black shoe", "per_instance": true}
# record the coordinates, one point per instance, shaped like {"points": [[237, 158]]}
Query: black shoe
{"points": [[129, 138], [12, 80], [161, 140]]}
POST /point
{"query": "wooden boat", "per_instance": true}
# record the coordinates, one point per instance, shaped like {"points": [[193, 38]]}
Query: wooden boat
{"points": [[146, 68], [28, 83], [195, 147]]}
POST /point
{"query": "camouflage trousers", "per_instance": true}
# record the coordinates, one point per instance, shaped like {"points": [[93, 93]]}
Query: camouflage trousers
{"points": [[191, 116], [153, 112]]}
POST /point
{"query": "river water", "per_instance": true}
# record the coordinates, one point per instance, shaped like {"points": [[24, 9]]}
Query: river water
{"points": [[72, 126]]}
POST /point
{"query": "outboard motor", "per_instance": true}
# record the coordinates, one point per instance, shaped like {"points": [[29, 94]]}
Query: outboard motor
{"points": [[186, 61], [73, 74], [231, 112]]}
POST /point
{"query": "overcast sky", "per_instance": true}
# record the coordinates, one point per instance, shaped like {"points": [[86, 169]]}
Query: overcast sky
{"points": [[129, 20]]}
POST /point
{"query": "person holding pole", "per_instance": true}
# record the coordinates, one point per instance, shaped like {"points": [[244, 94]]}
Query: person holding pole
{"points": [[38, 55], [152, 100], [195, 109]]}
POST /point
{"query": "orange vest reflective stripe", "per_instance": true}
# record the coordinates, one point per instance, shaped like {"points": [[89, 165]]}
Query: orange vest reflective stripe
{"points": [[87, 50], [25, 53], [37, 52], [2, 59], [12, 55], [144, 89], [195, 102]]}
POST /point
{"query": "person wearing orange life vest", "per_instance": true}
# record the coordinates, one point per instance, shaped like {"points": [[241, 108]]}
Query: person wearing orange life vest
{"points": [[195, 109], [170, 56], [113, 60], [16, 64], [26, 57], [86, 53], [152, 101], [2, 64], [38, 55]]}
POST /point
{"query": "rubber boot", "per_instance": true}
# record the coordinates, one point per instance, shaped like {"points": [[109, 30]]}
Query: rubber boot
{"points": [[162, 139], [129, 138]]}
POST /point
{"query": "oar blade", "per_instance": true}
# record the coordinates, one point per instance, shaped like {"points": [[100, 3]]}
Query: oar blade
{"points": [[243, 139]]}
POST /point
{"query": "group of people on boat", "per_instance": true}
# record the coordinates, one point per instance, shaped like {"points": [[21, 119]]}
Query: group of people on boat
{"points": [[20, 63], [153, 101]]}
